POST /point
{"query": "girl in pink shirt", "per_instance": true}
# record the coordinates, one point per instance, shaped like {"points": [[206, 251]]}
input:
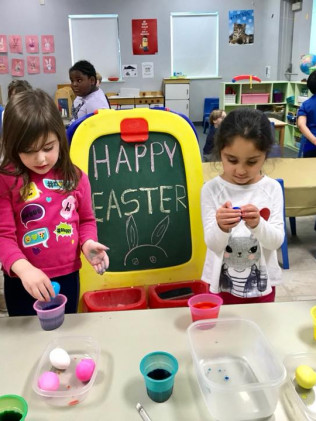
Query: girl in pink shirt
{"points": [[45, 206]]}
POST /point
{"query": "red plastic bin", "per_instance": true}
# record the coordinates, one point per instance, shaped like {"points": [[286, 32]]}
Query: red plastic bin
{"points": [[117, 299], [155, 301]]}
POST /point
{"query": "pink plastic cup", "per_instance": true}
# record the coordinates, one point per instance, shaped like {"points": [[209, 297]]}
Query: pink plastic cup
{"points": [[51, 314], [204, 306]]}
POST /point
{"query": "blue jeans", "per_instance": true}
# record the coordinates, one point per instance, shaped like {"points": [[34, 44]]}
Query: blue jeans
{"points": [[20, 302]]}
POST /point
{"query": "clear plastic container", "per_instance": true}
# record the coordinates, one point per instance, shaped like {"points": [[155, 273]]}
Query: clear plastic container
{"points": [[71, 390], [296, 396], [237, 370]]}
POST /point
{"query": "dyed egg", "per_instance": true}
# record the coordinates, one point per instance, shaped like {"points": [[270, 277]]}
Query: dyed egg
{"points": [[59, 358], [48, 381], [305, 376], [85, 369]]}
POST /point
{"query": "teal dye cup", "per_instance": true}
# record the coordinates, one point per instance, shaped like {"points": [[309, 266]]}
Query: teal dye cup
{"points": [[159, 369], [12, 408]]}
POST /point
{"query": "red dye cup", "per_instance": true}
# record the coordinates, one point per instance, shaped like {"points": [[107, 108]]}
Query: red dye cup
{"points": [[205, 306]]}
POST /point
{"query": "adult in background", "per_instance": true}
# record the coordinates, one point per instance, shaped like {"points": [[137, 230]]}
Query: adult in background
{"points": [[306, 119]]}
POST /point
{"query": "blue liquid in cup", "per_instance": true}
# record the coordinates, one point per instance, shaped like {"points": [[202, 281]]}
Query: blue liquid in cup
{"points": [[159, 369]]}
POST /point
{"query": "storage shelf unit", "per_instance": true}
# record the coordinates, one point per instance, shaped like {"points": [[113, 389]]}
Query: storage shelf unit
{"points": [[272, 99]]}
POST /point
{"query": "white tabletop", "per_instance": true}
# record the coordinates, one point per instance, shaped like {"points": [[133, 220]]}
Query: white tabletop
{"points": [[125, 337]]}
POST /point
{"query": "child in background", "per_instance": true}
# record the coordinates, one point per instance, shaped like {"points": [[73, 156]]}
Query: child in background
{"points": [[89, 98], [45, 207], [17, 86], [306, 119], [14, 87], [216, 117], [242, 213], [99, 79]]}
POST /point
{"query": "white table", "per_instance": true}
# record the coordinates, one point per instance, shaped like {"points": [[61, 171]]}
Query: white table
{"points": [[125, 337]]}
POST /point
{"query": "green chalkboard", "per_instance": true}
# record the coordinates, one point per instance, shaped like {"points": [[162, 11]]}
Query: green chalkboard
{"points": [[139, 195]]}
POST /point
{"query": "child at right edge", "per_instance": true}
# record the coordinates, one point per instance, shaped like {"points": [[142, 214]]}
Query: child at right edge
{"points": [[242, 213]]}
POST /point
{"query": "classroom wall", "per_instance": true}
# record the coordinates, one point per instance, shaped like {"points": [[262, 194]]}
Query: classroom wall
{"points": [[52, 18]]}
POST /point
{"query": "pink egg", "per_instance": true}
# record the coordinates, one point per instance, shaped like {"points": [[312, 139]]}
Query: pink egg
{"points": [[48, 381], [85, 369]]}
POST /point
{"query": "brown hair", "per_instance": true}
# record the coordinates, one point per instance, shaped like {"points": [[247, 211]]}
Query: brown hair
{"points": [[99, 77], [215, 114], [28, 119], [17, 86]]}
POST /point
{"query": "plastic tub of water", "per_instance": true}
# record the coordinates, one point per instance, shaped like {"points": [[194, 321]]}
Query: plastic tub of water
{"points": [[116, 299], [71, 390], [296, 396], [237, 370]]}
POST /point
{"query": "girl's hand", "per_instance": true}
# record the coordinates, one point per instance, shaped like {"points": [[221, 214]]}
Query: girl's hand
{"points": [[227, 217], [96, 255], [34, 280], [251, 215]]}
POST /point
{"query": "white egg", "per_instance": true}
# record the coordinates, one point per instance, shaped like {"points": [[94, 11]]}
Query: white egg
{"points": [[59, 358]]}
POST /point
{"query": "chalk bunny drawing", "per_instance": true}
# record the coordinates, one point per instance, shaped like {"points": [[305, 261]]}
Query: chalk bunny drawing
{"points": [[145, 256]]}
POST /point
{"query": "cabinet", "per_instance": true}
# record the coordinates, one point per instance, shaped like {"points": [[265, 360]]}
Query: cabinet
{"points": [[177, 95], [279, 99]]}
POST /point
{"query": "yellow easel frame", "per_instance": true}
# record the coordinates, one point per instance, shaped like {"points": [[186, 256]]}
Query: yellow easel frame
{"points": [[108, 122]]}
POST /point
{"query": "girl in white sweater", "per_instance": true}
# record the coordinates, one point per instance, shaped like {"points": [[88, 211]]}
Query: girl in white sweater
{"points": [[242, 213]]}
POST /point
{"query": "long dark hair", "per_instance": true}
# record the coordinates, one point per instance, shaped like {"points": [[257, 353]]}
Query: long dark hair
{"points": [[29, 117]]}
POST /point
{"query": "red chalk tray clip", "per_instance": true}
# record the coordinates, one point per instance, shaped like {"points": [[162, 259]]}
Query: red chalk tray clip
{"points": [[134, 130]]}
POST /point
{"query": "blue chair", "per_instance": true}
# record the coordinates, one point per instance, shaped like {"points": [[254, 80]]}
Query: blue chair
{"points": [[301, 149], [299, 155], [284, 248], [210, 104]]}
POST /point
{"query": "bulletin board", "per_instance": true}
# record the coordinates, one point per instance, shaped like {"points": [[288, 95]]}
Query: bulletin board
{"points": [[146, 197]]}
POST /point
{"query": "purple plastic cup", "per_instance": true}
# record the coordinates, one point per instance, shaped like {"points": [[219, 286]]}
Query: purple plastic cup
{"points": [[51, 314]]}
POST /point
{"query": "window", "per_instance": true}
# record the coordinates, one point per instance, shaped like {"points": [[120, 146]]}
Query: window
{"points": [[194, 44], [95, 38]]}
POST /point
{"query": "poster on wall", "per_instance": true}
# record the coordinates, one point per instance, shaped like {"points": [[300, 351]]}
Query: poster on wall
{"points": [[33, 65], [31, 44], [48, 45], [49, 64], [241, 27], [4, 65], [15, 44], [129, 70], [17, 67], [148, 69], [144, 35], [3, 44]]}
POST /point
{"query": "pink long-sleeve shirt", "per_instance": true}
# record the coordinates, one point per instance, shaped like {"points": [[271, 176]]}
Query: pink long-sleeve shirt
{"points": [[49, 227]]}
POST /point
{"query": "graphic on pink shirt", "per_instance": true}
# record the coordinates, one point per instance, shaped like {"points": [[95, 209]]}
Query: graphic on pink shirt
{"points": [[63, 230], [68, 207], [31, 212], [52, 184], [36, 237], [33, 192]]}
